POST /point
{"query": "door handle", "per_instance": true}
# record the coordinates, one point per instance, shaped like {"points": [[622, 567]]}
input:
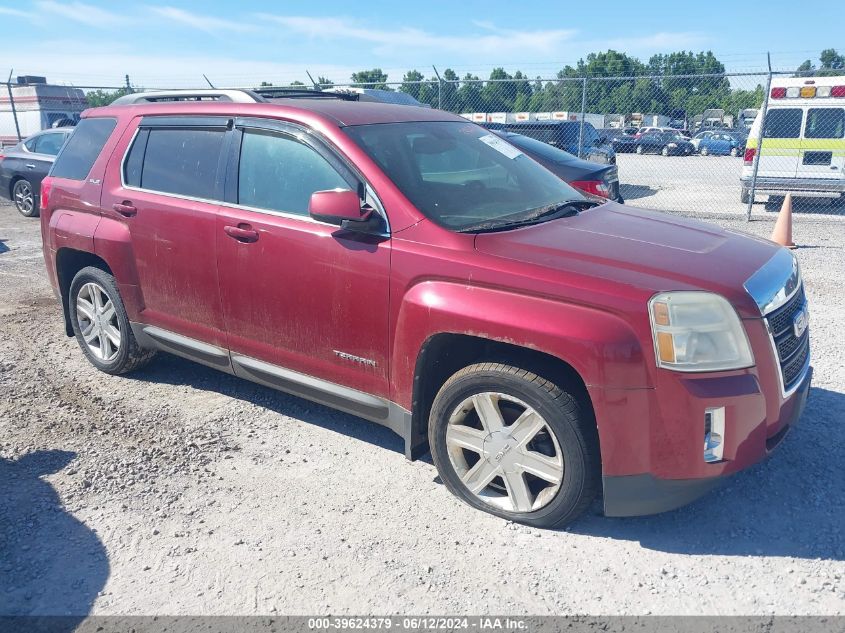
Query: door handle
{"points": [[30, 166], [125, 208], [242, 233]]}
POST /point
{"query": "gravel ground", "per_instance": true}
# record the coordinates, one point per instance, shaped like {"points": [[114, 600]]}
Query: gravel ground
{"points": [[699, 184], [184, 491]]}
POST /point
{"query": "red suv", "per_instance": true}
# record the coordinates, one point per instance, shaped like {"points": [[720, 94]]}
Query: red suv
{"points": [[411, 268]]}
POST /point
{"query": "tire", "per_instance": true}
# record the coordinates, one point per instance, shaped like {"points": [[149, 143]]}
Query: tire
{"points": [[734, 151], [744, 195], [665, 151], [544, 475], [704, 151], [23, 195], [91, 292], [774, 203], [639, 149]]}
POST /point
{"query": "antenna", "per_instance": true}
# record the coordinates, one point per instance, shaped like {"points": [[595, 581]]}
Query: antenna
{"points": [[316, 85], [209, 82]]}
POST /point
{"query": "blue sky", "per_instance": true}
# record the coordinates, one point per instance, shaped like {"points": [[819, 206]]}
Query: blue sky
{"points": [[174, 43]]}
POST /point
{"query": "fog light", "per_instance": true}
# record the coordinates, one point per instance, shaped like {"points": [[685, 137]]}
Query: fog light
{"points": [[714, 434]]}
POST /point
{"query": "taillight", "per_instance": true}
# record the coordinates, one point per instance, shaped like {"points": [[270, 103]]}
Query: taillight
{"points": [[595, 187], [46, 185], [778, 93], [748, 159], [837, 91]]}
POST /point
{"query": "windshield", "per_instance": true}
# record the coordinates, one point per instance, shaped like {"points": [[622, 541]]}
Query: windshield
{"points": [[459, 174]]}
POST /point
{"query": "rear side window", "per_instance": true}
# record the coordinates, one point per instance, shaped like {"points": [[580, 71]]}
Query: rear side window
{"points": [[279, 173], [783, 123], [80, 152], [176, 160], [825, 123], [49, 144]]}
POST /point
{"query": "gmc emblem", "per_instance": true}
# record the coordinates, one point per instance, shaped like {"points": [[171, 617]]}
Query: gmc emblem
{"points": [[800, 322]]}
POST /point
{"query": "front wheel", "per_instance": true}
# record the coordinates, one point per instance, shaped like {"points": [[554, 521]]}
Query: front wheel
{"points": [[734, 151], [639, 149], [101, 325], [704, 151], [511, 443], [665, 151], [23, 195]]}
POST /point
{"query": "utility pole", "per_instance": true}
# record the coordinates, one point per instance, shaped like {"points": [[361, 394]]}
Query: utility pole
{"points": [[12, 103], [128, 85], [439, 89]]}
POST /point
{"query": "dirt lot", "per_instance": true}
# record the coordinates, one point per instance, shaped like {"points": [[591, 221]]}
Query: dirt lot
{"points": [[699, 184], [184, 491]]}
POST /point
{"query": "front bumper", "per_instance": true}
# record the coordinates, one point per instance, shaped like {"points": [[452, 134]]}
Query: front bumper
{"points": [[646, 493], [802, 187]]}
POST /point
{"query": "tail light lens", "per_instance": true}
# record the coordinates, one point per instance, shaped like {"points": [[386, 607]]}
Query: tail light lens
{"points": [[595, 187], [837, 91], [46, 185], [778, 93], [748, 159]]}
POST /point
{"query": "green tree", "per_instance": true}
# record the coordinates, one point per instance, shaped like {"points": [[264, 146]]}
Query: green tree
{"points": [[832, 63], [422, 92], [99, 98], [374, 78], [324, 82], [449, 92], [470, 94]]}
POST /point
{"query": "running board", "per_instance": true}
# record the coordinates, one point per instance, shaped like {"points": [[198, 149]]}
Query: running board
{"points": [[372, 408]]}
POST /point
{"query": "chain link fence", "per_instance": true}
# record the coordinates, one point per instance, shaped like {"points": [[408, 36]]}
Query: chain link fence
{"points": [[679, 142]]}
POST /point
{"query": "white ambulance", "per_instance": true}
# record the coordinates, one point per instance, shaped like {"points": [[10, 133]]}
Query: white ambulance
{"points": [[803, 140]]}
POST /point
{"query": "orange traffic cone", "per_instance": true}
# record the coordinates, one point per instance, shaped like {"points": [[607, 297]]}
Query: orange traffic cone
{"points": [[783, 226]]}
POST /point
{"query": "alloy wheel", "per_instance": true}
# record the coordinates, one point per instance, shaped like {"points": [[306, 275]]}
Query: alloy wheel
{"points": [[98, 321], [23, 196], [504, 452]]}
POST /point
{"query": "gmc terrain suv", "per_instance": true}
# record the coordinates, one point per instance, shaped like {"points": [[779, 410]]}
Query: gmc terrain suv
{"points": [[411, 268]]}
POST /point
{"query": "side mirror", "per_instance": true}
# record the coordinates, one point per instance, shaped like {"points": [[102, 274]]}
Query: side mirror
{"points": [[337, 206]]}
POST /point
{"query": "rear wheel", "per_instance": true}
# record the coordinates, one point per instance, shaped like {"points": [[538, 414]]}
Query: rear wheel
{"points": [[639, 149], [665, 151], [704, 151], [24, 197], [774, 203], [734, 151], [101, 325], [513, 444]]}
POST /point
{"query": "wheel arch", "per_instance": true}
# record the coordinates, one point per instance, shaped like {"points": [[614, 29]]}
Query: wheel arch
{"points": [[69, 261], [443, 354]]}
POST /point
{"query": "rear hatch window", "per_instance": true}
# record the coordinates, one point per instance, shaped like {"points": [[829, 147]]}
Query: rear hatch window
{"points": [[80, 152]]}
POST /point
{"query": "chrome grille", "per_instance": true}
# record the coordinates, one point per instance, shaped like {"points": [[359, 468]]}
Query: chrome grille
{"points": [[792, 351]]}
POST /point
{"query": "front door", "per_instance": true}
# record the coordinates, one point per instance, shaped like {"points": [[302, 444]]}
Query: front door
{"points": [[298, 294]]}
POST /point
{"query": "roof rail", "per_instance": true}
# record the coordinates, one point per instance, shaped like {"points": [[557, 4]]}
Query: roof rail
{"points": [[304, 93], [159, 96]]}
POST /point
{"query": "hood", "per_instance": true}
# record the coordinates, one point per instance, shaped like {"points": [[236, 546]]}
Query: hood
{"points": [[640, 248]]}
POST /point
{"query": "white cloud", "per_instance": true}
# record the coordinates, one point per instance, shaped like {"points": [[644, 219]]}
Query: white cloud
{"points": [[494, 41], [208, 24], [80, 12], [16, 13]]}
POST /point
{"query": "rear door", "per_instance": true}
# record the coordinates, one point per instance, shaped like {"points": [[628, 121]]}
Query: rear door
{"points": [[165, 192], [823, 146], [781, 144]]}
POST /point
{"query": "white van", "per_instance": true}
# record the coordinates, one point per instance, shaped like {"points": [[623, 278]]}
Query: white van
{"points": [[38, 106], [803, 148]]}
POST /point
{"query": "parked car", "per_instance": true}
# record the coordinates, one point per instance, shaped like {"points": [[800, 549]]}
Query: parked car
{"points": [[598, 180], [716, 143], [407, 266], [565, 135], [666, 143], [23, 166], [623, 140]]}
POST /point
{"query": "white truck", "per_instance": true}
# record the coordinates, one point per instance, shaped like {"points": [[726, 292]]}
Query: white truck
{"points": [[38, 106]]}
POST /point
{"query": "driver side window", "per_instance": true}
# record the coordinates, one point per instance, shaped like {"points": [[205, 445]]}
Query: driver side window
{"points": [[279, 173]]}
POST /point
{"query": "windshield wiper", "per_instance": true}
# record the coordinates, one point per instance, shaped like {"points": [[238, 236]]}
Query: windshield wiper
{"points": [[535, 216]]}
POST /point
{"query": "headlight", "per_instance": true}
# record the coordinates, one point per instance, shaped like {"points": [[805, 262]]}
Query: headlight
{"points": [[672, 145], [697, 331]]}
